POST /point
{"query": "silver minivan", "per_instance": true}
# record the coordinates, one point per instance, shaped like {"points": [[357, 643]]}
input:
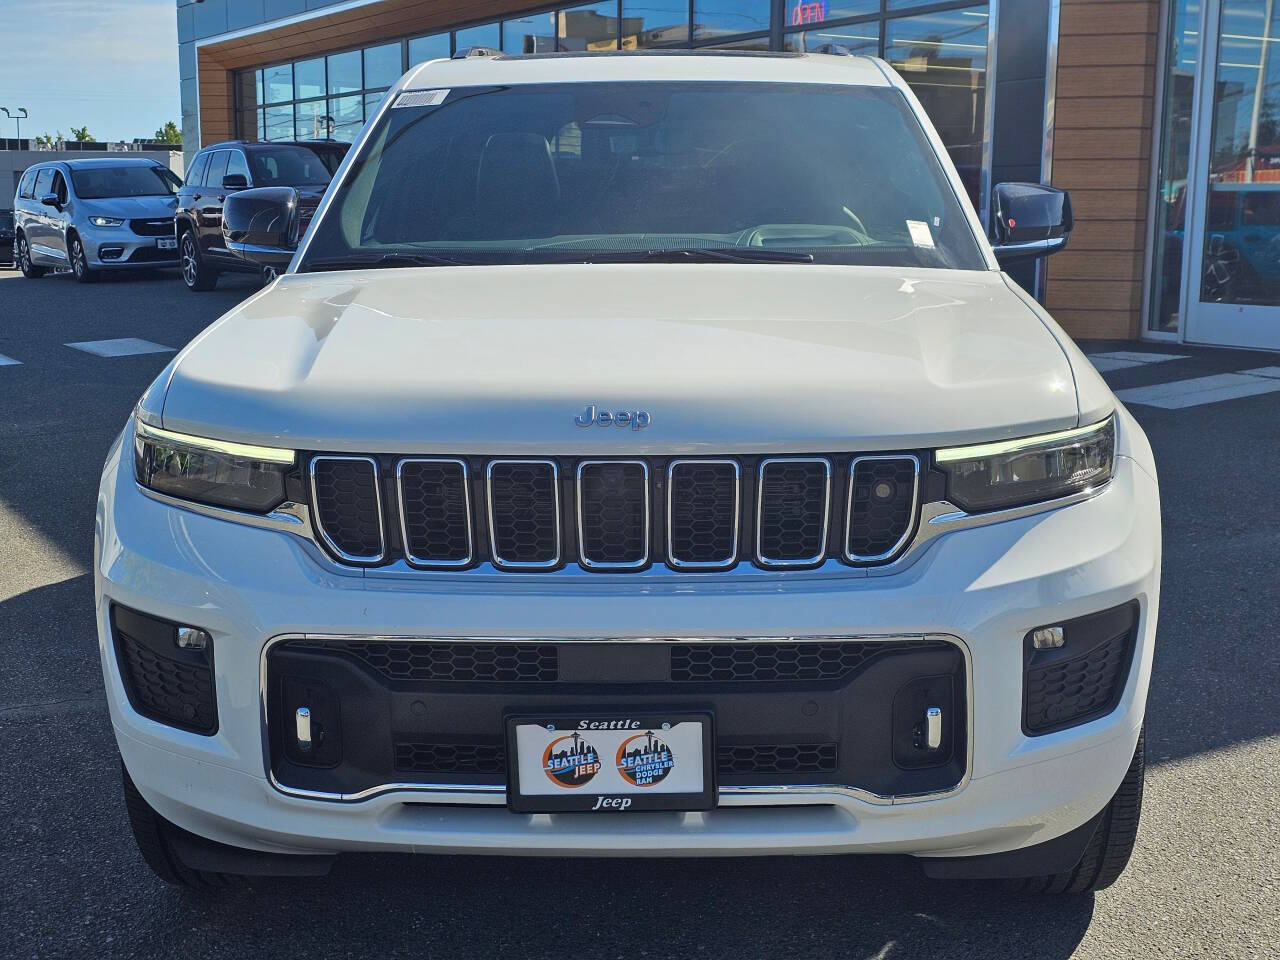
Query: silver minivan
{"points": [[94, 215]]}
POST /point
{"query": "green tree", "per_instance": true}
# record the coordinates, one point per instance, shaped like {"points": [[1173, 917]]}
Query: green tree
{"points": [[47, 141], [83, 135], [169, 133]]}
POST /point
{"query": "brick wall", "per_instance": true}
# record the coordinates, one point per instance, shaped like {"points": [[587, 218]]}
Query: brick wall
{"points": [[1102, 152]]}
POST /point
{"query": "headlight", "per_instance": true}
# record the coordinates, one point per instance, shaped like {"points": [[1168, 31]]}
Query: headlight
{"points": [[993, 476], [234, 475], [106, 221]]}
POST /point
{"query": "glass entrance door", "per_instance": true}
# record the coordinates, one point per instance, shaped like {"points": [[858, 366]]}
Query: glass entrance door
{"points": [[1233, 255]]}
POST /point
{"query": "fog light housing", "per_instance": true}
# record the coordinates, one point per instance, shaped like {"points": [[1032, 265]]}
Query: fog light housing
{"points": [[1048, 638], [192, 638]]}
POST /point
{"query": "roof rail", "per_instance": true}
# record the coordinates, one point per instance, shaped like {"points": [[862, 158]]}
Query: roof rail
{"points": [[466, 53]]}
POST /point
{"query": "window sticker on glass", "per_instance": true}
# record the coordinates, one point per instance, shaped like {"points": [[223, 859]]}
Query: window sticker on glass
{"points": [[921, 236], [421, 98]]}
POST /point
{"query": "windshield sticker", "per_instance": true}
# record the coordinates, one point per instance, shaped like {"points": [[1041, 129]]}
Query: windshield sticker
{"points": [[420, 98], [920, 233]]}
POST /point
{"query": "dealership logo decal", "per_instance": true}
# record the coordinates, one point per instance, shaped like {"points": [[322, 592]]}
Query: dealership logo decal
{"points": [[644, 760], [635, 419], [570, 761]]}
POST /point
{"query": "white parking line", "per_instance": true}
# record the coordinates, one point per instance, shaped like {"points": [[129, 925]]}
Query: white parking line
{"points": [[1271, 372], [122, 347], [1113, 360], [8, 361], [1200, 390]]}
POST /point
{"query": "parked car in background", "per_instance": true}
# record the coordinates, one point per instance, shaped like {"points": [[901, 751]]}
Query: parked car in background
{"points": [[224, 168], [95, 215], [6, 238]]}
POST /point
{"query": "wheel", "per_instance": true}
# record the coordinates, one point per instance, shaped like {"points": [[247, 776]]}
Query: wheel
{"points": [[80, 262], [29, 269], [153, 835], [1109, 850], [196, 274]]}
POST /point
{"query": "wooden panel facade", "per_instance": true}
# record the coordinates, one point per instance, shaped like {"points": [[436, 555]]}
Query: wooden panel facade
{"points": [[1102, 154]]}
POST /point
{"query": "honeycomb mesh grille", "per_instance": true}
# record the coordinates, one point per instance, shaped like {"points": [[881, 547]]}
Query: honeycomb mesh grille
{"points": [[346, 502], [881, 506], [466, 662], [434, 509], [703, 519], [793, 511], [164, 689], [1070, 691], [418, 757], [776, 758], [613, 505], [775, 662], [522, 501]]}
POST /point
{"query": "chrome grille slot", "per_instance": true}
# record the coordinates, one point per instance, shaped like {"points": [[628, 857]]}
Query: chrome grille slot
{"points": [[348, 507], [435, 512], [881, 506], [524, 513], [794, 505], [704, 503], [613, 514]]}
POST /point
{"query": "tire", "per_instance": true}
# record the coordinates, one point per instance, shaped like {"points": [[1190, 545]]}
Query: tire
{"points": [[196, 274], [152, 833], [1109, 850], [80, 261], [29, 269]]}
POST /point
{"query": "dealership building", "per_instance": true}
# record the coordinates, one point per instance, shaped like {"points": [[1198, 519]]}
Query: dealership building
{"points": [[1162, 117]]}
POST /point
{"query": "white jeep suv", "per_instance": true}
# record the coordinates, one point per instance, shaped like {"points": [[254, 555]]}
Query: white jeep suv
{"points": [[643, 454]]}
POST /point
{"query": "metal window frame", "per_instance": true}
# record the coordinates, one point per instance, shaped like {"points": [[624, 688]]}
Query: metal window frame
{"points": [[583, 560], [826, 513], [732, 559], [496, 557], [428, 562], [849, 555], [318, 519]]}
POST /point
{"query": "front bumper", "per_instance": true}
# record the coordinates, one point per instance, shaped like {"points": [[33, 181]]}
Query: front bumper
{"points": [[119, 248], [983, 588]]}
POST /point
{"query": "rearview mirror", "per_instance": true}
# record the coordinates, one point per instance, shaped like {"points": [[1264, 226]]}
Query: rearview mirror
{"points": [[50, 200], [262, 225], [235, 181], [1029, 220]]}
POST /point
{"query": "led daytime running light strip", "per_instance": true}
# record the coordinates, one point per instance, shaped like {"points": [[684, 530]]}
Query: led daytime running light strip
{"points": [[983, 450], [246, 450]]}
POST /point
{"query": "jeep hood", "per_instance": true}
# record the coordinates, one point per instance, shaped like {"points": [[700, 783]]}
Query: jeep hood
{"points": [[724, 357]]}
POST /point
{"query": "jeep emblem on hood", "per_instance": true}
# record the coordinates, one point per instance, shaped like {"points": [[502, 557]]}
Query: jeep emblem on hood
{"points": [[635, 419]]}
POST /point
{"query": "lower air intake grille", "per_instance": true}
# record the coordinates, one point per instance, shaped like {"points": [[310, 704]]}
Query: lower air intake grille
{"points": [[777, 758], [613, 513], [794, 499], [163, 681], [491, 662], [348, 508], [415, 757], [773, 662], [882, 506], [524, 509], [702, 513], [435, 509]]}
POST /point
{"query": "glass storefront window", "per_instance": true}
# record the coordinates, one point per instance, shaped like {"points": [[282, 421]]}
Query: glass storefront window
{"points": [[311, 120], [943, 56], [382, 65], [344, 73], [485, 35], [860, 39], [592, 26], [535, 33], [278, 123], [801, 13], [346, 117], [308, 79], [719, 18], [278, 83], [1182, 58], [654, 23], [434, 47]]}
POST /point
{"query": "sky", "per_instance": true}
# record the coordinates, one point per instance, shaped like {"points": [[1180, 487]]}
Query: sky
{"points": [[109, 64]]}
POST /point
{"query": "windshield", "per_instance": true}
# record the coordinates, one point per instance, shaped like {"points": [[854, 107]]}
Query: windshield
{"points": [[288, 167], [126, 180], [617, 171]]}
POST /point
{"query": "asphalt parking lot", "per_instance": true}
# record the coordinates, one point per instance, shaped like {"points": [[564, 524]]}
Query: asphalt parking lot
{"points": [[1204, 882]]}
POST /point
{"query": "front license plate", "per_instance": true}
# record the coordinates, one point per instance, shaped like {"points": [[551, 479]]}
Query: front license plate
{"points": [[610, 763], [167, 243]]}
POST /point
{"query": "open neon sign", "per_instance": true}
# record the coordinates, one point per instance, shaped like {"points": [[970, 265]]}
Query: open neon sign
{"points": [[811, 12]]}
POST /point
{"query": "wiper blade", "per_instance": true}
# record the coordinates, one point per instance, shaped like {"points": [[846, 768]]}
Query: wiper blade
{"points": [[383, 260]]}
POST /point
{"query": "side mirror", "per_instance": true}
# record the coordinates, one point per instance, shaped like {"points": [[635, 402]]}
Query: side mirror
{"points": [[1029, 221], [261, 225], [51, 200], [235, 181]]}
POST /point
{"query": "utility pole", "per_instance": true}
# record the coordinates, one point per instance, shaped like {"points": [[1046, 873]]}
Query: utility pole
{"points": [[16, 118]]}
